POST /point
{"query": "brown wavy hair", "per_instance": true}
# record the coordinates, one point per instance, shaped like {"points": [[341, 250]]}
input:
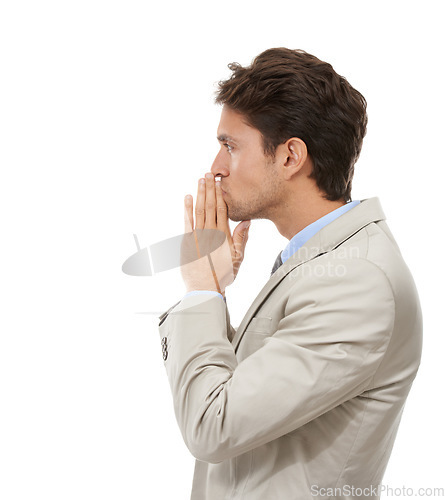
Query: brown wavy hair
{"points": [[288, 93]]}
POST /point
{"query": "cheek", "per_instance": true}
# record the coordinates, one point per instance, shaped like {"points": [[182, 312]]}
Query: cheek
{"points": [[234, 165], [241, 165]]}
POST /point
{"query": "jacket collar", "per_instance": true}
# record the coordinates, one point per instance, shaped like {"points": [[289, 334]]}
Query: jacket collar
{"points": [[329, 237]]}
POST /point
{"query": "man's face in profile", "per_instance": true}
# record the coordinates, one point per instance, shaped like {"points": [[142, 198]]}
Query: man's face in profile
{"points": [[252, 187]]}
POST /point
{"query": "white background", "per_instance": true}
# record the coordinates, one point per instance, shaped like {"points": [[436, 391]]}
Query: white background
{"points": [[107, 121]]}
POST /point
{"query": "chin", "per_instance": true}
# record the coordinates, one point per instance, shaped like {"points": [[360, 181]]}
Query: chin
{"points": [[238, 214], [233, 215], [238, 217]]}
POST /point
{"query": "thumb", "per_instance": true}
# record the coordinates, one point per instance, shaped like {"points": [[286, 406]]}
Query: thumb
{"points": [[240, 234]]}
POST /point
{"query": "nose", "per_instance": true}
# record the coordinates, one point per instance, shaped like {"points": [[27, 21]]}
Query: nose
{"points": [[219, 166]]}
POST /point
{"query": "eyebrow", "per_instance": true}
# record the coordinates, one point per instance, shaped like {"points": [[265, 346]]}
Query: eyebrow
{"points": [[225, 137]]}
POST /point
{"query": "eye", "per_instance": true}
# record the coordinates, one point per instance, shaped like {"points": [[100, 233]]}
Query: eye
{"points": [[229, 147]]}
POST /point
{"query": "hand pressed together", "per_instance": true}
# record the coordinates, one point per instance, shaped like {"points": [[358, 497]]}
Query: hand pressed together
{"points": [[216, 269]]}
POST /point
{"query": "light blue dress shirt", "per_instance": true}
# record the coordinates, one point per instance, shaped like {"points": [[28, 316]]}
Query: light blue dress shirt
{"points": [[305, 234], [300, 238]]}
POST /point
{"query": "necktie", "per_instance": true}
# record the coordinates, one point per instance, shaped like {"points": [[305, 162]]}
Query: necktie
{"points": [[277, 263]]}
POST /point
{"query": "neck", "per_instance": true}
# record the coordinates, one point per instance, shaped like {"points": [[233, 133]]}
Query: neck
{"points": [[301, 210]]}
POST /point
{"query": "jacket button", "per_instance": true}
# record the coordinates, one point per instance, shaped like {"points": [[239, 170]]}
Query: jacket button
{"points": [[164, 348]]}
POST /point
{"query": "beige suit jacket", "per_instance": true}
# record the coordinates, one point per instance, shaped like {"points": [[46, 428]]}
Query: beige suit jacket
{"points": [[307, 394]]}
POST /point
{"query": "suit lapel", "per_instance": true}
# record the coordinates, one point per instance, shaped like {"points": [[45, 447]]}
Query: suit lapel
{"points": [[325, 240], [298, 258]]}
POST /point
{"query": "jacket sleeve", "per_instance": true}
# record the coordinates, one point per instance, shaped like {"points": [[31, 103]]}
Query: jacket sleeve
{"points": [[325, 350]]}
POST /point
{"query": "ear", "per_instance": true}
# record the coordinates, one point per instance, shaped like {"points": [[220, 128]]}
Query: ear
{"points": [[294, 156]]}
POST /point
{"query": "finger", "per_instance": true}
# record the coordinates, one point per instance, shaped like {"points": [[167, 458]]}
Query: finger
{"points": [[222, 220], [200, 205], [221, 209], [240, 236], [188, 214], [210, 203]]}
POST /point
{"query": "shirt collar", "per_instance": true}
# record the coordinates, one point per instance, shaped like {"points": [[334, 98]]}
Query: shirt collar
{"points": [[305, 234]]}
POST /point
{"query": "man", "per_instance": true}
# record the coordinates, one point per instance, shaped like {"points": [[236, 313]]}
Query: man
{"points": [[304, 399]]}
